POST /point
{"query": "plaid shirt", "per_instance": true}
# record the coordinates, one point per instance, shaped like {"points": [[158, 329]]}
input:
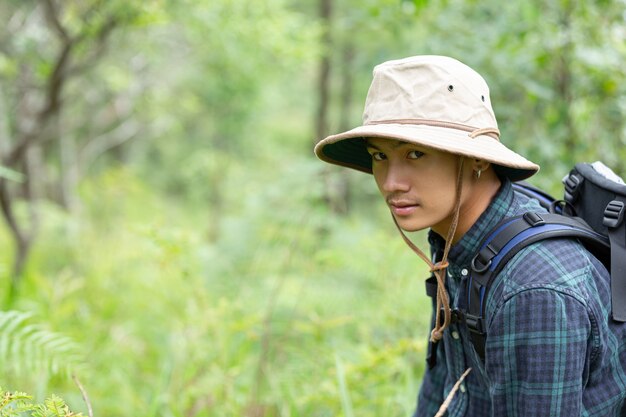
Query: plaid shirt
{"points": [[551, 348]]}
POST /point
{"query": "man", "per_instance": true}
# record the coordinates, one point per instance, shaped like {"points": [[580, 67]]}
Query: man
{"points": [[431, 140]]}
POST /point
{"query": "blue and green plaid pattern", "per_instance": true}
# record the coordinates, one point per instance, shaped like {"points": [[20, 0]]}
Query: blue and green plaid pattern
{"points": [[551, 349]]}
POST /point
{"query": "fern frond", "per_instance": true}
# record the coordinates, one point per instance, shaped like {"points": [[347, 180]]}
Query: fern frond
{"points": [[13, 404], [19, 404], [30, 348], [54, 407]]}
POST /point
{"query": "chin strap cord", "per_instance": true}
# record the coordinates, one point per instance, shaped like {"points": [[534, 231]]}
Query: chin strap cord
{"points": [[439, 268]]}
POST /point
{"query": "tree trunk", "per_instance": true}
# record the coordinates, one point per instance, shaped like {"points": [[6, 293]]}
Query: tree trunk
{"points": [[323, 78], [564, 82], [336, 195], [21, 238], [341, 200]]}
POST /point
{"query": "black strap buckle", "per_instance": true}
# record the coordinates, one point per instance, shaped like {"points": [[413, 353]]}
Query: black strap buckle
{"points": [[431, 287], [613, 214], [482, 261], [474, 324], [456, 316], [572, 183], [533, 219]]}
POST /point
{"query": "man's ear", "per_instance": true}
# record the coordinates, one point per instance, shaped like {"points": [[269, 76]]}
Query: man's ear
{"points": [[480, 165]]}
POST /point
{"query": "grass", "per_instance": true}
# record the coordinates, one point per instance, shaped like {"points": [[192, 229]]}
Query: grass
{"points": [[290, 312]]}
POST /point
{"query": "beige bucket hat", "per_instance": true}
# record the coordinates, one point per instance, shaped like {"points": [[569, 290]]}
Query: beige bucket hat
{"points": [[433, 101]]}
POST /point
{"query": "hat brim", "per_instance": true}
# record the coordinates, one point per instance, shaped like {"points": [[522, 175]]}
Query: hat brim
{"points": [[348, 149]]}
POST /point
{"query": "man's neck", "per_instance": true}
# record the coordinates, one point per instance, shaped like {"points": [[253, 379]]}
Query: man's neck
{"points": [[481, 193]]}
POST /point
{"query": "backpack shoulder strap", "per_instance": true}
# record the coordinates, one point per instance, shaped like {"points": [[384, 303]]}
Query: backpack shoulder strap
{"points": [[543, 198], [616, 230], [502, 244]]}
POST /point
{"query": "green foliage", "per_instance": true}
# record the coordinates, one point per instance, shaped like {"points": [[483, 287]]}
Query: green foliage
{"points": [[14, 403], [10, 174], [172, 322], [19, 404], [29, 349], [202, 271], [556, 85]]}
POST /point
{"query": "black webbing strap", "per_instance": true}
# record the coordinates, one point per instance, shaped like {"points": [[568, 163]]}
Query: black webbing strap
{"points": [[457, 316], [614, 221], [431, 291], [431, 287]]}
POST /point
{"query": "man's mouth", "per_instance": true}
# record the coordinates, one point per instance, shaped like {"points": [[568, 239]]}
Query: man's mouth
{"points": [[402, 208]]}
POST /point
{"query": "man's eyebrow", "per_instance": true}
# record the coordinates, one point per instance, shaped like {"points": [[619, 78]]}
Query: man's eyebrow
{"points": [[398, 143]]}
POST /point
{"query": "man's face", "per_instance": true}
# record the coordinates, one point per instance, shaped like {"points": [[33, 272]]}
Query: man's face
{"points": [[417, 183]]}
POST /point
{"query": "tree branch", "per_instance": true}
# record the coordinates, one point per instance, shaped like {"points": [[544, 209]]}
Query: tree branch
{"points": [[52, 16], [60, 74], [99, 48], [111, 139], [54, 86], [7, 208], [83, 392]]}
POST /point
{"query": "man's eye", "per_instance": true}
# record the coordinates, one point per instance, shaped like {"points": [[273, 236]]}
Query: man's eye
{"points": [[378, 156], [415, 154]]}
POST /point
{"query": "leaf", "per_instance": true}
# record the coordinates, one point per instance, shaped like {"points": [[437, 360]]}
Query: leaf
{"points": [[10, 174], [19, 404], [29, 348]]}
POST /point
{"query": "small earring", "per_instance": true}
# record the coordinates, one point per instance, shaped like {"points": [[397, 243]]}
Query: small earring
{"points": [[478, 173]]}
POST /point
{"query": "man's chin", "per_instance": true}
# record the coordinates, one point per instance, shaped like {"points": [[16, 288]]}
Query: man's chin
{"points": [[409, 226]]}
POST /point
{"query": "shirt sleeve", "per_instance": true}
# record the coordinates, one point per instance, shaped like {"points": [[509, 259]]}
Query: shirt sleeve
{"points": [[538, 352]]}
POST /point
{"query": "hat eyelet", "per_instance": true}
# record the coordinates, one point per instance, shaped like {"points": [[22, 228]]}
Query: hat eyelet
{"points": [[482, 98], [450, 88]]}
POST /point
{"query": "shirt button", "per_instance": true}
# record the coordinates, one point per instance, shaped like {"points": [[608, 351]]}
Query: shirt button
{"points": [[462, 388], [455, 335], [464, 272]]}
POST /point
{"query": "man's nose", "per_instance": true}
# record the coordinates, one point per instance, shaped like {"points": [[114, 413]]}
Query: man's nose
{"points": [[396, 179]]}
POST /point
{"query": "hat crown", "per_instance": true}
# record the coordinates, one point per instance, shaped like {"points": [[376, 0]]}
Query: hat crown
{"points": [[434, 88]]}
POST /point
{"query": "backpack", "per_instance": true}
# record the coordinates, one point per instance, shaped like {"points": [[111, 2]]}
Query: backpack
{"points": [[591, 211]]}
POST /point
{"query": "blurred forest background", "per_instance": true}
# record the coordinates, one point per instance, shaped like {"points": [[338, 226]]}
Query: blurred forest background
{"points": [[170, 243]]}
